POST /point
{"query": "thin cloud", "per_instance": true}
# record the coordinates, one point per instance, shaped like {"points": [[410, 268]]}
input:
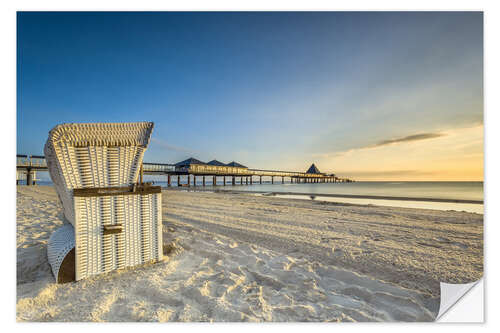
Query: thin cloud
{"points": [[406, 139], [409, 138]]}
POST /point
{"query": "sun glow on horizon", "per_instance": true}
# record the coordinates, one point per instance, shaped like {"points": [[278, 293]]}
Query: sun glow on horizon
{"points": [[457, 155]]}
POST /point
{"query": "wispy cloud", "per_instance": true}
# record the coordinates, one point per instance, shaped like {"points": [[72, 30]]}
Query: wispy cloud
{"points": [[409, 138], [168, 146], [406, 139]]}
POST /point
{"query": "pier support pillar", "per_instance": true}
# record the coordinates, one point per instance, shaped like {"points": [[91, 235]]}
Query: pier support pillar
{"points": [[29, 177], [282, 180], [251, 180], [272, 179], [234, 180], [203, 180], [194, 180], [224, 181], [241, 180], [189, 180], [178, 180], [246, 180], [169, 182], [260, 180], [214, 180]]}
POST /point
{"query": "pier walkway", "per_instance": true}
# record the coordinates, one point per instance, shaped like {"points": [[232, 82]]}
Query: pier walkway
{"points": [[232, 173]]}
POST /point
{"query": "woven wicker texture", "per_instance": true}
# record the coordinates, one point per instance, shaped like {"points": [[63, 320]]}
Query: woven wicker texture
{"points": [[105, 155], [140, 242], [94, 155], [60, 243]]}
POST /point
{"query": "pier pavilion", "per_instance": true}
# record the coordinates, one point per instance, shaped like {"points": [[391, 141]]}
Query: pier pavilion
{"points": [[232, 173]]}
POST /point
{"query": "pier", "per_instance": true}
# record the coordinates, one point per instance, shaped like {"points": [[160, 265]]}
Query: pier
{"points": [[27, 166], [192, 170]]}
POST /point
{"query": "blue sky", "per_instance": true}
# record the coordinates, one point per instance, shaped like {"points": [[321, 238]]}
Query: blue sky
{"points": [[270, 90]]}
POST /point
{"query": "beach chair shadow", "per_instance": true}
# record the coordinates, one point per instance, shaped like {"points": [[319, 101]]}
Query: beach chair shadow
{"points": [[112, 218]]}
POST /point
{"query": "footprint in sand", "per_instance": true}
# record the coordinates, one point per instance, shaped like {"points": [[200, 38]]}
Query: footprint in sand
{"points": [[328, 239], [336, 252], [442, 240], [429, 245], [460, 245]]}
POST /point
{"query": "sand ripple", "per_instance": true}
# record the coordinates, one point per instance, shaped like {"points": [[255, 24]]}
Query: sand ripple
{"points": [[209, 276]]}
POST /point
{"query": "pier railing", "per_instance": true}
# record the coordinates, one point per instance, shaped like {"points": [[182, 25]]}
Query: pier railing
{"points": [[277, 173], [33, 161], [31, 164], [157, 167], [202, 169]]}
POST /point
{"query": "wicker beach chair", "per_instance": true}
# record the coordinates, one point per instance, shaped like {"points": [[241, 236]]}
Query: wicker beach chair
{"points": [[112, 221]]}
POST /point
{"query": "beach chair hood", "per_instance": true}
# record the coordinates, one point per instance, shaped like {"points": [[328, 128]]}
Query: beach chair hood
{"points": [[89, 155]]}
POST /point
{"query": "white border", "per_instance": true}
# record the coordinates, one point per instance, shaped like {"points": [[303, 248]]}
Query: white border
{"points": [[8, 133]]}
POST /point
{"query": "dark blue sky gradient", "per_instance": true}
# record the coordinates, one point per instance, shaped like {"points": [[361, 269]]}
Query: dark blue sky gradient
{"points": [[270, 90]]}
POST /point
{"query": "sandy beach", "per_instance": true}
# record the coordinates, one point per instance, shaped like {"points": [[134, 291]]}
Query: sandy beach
{"points": [[244, 257]]}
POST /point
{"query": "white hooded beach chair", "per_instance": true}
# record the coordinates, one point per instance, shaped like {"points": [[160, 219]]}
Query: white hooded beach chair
{"points": [[112, 221]]}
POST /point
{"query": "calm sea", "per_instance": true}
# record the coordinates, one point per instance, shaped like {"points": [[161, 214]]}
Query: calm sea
{"points": [[420, 190], [428, 190]]}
